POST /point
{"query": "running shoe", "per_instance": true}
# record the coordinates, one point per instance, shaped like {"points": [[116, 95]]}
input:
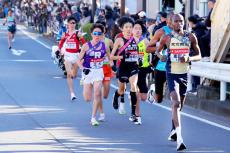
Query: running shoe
{"points": [[138, 121], [10, 48], [94, 122], [73, 97], [13, 40], [172, 136], [101, 118], [180, 146], [115, 102], [122, 108], [151, 94], [133, 118]]}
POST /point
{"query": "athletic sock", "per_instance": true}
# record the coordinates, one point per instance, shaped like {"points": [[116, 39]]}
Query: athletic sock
{"points": [[122, 98], [133, 102]]}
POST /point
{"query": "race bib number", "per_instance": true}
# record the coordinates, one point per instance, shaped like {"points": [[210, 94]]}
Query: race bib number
{"points": [[71, 45], [96, 63], [177, 54], [133, 57]]}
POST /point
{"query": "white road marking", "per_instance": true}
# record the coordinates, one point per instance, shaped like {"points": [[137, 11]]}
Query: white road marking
{"points": [[161, 106], [18, 52], [34, 38]]}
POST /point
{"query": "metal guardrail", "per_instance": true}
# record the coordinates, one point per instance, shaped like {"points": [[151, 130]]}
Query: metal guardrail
{"points": [[214, 71]]}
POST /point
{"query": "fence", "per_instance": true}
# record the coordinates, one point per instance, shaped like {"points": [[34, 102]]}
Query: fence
{"points": [[214, 71]]}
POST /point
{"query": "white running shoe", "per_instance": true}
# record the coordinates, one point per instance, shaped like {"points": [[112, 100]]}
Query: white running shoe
{"points": [[13, 40], [138, 121], [151, 93], [122, 108], [101, 118], [73, 97], [94, 122]]}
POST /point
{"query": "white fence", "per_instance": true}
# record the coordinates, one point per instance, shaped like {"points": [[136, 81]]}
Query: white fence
{"points": [[214, 71]]}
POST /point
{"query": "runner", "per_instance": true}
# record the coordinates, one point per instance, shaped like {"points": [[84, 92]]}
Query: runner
{"points": [[70, 47], [157, 89], [93, 53], [144, 66], [106, 69], [11, 23], [179, 43], [128, 68]]}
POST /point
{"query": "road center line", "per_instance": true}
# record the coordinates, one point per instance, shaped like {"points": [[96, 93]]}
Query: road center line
{"points": [[158, 105]]}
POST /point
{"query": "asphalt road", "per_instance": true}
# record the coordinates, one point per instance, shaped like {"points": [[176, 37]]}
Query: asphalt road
{"points": [[36, 114]]}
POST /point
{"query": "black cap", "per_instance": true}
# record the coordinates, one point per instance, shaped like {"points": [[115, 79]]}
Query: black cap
{"points": [[194, 18]]}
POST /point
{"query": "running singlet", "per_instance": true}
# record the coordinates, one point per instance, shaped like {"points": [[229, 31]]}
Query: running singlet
{"points": [[161, 65], [71, 44], [179, 46], [132, 50], [10, 21], [143, 54], [93, 58]]}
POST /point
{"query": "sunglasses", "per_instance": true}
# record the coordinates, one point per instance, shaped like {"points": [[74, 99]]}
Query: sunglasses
{"points": [[97, 33], [72, 22]]}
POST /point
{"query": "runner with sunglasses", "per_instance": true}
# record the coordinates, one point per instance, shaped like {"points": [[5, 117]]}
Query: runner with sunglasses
{"points": [[107, 69], [70, 47], [93, 55], [126, 50]]}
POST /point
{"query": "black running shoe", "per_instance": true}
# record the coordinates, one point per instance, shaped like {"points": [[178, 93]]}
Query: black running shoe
{"points": [[181, 147], [172, 136], [115, 102], [133, 118]]}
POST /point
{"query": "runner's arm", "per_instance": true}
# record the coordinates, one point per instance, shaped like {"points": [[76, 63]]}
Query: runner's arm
{"points": [[163, 42], [116, 46], [153, 42], [81, 55], [195, 47]]}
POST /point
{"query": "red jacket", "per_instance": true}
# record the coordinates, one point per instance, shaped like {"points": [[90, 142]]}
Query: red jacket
{"points": [[72, 44]]}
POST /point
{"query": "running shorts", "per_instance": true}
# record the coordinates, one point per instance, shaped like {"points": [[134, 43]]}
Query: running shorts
{"points": [[107, 72], [94, 75], [177, 82], [71, 57]]}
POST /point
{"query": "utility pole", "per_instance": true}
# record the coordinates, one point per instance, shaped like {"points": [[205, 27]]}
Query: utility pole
{"points": [[122, 7], [94, 7]]}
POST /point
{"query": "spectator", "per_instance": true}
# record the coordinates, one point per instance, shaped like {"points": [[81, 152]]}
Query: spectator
{"points": [[206, 39], [76, 13], [199, 29], [101, 16], [2, 14], [86, 17]]}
